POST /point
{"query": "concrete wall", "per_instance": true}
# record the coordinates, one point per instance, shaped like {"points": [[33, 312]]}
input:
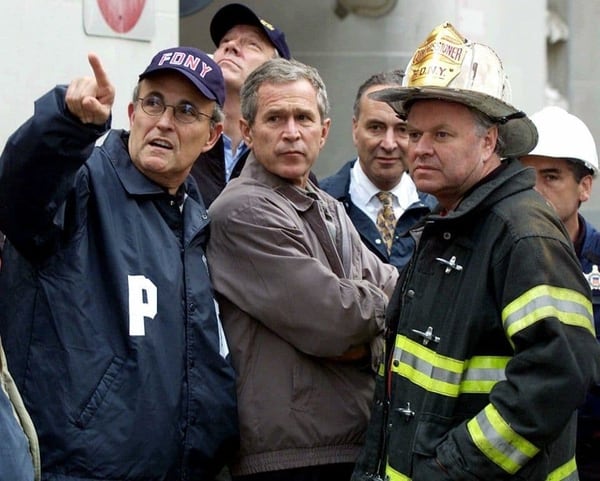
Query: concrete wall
{"points": [[580, 68], [347, 51], [44, 44]]}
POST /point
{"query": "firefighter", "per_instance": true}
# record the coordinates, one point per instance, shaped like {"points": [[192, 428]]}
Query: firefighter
{"points": [[491, 345]]}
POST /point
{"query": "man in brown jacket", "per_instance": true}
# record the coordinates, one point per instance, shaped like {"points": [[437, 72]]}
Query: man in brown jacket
{"points": [[302, 300]]}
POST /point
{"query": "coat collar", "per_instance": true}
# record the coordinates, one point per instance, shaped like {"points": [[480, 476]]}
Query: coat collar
{"points": [[133, 181], [514, 178], [300, 200]]}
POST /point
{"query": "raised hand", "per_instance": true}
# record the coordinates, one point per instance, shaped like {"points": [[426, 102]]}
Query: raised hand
{"points": [[90, 99]]}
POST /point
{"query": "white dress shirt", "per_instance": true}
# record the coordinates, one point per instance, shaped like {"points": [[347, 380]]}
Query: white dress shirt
{"points": [[363, 193]]}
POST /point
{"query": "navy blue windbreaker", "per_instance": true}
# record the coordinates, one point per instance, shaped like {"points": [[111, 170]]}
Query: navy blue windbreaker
{"points": [[590, 257], [108, 322], [588, 433]]}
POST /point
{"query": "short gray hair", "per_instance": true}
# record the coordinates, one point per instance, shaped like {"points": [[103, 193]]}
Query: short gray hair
{"points": [[280, 71]]}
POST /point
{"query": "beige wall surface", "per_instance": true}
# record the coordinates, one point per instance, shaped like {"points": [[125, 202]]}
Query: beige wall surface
{"points": [[43, 43]]}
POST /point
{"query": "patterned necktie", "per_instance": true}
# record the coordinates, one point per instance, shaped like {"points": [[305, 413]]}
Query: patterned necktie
{"points": [[386, 220]]}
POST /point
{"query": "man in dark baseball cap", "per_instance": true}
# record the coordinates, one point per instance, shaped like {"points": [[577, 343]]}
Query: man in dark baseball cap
{"points": [[112, 253], [237, 14], [244, 42], [194, 64]]}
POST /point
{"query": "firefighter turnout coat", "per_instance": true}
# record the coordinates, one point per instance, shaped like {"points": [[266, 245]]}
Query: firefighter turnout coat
{"points": [[491, 346]]}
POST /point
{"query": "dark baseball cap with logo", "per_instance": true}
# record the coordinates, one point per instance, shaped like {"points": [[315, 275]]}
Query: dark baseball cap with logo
{"points": [[237, 14], [197, 66]]}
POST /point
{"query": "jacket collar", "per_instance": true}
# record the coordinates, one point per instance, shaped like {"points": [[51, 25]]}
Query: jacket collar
{"points": [[338, 184], [590, 248], [254, 170], [134, 182], [514, 178]]}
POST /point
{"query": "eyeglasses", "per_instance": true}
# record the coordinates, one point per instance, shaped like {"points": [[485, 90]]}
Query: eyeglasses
{"points": [[184, 112]]}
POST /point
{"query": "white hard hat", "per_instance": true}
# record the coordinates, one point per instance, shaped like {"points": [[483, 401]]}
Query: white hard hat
{"points": [[563, 135], [448, 67]]}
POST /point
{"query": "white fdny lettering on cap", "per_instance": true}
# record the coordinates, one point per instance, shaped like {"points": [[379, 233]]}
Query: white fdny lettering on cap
{"points": [[188, 61]]}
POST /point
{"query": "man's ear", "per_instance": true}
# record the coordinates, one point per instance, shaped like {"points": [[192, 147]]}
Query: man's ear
{"points": [[354, 129], [215, 132], [324, 131], [246, 132], [585, 188], [490, 139], [130, 113]]}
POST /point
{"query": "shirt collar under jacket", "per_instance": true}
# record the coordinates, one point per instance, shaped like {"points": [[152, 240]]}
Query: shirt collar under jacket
{"points": [[363, 193], [232, 158]]}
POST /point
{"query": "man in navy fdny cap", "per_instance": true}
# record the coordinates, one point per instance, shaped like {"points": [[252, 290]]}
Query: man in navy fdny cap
{"points": [[244, 42], [106, 313], [193, 64]]}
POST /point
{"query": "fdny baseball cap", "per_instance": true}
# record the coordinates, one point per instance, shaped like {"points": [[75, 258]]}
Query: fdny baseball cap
{"points": [[197, 67], [237, 14], [446, 66]]}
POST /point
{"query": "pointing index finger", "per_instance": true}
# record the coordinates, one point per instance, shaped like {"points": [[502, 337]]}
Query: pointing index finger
{"points": [[99, 72]]}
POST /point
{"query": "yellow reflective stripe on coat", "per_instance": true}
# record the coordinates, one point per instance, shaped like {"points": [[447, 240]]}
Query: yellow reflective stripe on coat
{"points": [[499, 442], [568, 306], [393, 475], [566, 472], [445, 375]]}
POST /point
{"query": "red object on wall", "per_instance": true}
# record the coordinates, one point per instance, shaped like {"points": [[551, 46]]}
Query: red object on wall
{"points": [[121, 15]]}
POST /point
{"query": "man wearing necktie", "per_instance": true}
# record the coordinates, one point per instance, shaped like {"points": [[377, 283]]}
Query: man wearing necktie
{"points": [[375, 188]]}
